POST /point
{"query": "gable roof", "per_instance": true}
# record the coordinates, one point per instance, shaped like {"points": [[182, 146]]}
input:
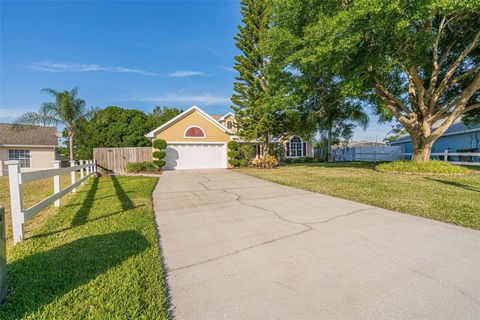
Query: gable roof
{"points": [[226, 115], [456, 128], [20, 135], [182, 115]]}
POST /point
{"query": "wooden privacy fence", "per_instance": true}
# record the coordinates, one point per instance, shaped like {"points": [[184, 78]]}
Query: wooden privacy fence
{"points": [[17, 179], [115, 160]]}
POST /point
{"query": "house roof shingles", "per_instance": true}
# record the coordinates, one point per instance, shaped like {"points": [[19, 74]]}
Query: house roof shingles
{"points": [[27, 135]]}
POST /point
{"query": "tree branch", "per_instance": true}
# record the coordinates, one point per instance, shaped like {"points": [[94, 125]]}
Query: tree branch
{"points": [[415, 77], [436, 63], [446, 80], [391, 97]]}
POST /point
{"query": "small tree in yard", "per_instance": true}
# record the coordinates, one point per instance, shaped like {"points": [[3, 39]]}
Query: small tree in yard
{"points": [[415, 61], [161, 145]]}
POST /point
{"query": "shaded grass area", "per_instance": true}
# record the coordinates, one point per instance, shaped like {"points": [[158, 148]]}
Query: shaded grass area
{"points": [[452, 199], [97, 257]]}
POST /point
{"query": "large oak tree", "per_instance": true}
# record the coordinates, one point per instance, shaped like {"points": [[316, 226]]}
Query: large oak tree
{"points": [[416, 61]]}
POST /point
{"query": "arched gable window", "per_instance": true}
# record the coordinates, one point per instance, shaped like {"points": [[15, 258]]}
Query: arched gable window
{"points": [[194, 132], [229, 125], [296, 147]]}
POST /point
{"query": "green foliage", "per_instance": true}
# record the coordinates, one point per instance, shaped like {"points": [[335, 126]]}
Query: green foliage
{"points": [[113, 127], [247, 151], [161, 115], [233, 145], [412, 61], [233, 153], [146, 166], [301, 160], [472, 118], [243, 162], [67, 110], [159, 163], [258, 115], [159, 154], [434, 166], [160, 144]]}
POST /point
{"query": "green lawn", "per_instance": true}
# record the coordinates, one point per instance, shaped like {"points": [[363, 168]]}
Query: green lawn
{"points": [[97, 257], [452, 199]]}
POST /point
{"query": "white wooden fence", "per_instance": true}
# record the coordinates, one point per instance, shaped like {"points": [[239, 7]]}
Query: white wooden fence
{"points": [[393, 153], [18, 178]]}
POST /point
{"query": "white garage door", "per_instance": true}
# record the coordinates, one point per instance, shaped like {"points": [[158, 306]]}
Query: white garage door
{"points": [[196, 156]]}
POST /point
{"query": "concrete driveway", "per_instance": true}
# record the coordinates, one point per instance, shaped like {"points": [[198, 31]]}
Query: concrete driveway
{"points": [[237, 247]]}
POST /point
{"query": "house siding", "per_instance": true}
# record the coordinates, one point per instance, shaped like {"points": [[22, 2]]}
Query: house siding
{"points": [[230, 118], [176, 131], [467, 140], [40, 157]]}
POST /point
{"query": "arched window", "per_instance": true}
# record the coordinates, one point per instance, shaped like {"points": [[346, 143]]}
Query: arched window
{"points": [[229, 125], [296, 147], [194, 132]]}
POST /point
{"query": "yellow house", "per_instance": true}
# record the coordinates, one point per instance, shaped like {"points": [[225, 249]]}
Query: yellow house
{"points": [[197, 140]]}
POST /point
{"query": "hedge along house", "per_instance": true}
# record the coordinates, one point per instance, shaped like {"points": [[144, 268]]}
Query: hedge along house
{"points": [[34, 146], [197, 140]]}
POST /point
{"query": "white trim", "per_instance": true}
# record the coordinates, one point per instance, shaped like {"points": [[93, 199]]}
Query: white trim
{"points": [[226, 115], [182, 115], [194, 126], [290, 147]]}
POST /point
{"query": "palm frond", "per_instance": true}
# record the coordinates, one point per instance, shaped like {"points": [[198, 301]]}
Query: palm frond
{"points": [[51, 91], [29, 119]]}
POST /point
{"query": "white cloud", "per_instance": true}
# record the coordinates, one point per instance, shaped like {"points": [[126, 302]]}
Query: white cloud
{"points": [[185, 73], [78, 67], [202, 99], [230, 69]]}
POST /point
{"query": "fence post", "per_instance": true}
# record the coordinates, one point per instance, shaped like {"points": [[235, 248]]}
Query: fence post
{"points": [[87, 168], [73, 175], [445, 156], [95, 165], [16, 200], [81, 170], [374, 156], [56, 182]]}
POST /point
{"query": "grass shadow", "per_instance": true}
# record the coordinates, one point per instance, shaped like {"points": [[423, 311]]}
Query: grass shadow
{"points": [[455, 184], [82, 213], [122, 196], [44, 277]]}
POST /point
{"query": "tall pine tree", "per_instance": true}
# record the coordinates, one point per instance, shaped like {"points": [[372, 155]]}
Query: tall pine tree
{"points": [[256, 117]]}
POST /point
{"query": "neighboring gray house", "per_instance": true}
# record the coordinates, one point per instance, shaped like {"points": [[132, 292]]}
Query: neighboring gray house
{"points": [[458, 138], [33, 146]]}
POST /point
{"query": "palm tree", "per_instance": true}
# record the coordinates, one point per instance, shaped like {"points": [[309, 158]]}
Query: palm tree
{"points": [[67, 110]]}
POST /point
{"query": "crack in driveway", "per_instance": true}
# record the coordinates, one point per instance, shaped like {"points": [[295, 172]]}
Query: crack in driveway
{"points": [[307, 226]]}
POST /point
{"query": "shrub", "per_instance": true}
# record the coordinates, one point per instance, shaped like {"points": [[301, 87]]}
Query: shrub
{"points": [[233, 153], [243, 162], [247, 152], [159, 155], [159, 144], [268, 163], [301, 160], [159, 163], [146, 166], [433, 166]]}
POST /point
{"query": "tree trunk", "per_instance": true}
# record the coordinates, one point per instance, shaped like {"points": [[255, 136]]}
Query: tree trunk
{"points": [[329, 145], [422, 148], [70, 141]]}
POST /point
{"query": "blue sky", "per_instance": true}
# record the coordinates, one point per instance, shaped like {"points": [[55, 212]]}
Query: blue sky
{"points": [[130, 54]]}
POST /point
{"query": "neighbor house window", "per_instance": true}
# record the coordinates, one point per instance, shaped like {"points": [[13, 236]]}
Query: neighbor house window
{"points": [[296, 147], [21, 155], [194, 132], [229, 125]]}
